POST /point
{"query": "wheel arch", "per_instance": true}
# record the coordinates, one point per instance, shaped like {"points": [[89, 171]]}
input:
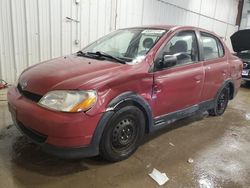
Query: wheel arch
{"points": [[231, 90], [118, 102], [230, 84], [131, 98]]}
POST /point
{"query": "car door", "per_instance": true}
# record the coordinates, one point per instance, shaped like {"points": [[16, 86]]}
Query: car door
{"points": [[215, 63], [179, 86]]}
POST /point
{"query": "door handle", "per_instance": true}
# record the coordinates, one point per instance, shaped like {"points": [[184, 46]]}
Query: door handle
{"points": [[198, 79]]}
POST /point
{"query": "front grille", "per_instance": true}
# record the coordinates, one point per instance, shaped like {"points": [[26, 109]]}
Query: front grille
{"points": [[31, 96], [34, 135]]}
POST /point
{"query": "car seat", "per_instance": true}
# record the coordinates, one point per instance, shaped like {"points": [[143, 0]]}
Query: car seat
{"points": [[147, 44]]}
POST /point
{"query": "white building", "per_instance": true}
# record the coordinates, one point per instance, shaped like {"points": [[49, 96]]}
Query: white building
{"points": [[32, 31]]}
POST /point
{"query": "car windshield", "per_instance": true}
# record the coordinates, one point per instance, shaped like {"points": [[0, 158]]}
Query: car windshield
{"points": [[129, 45]]}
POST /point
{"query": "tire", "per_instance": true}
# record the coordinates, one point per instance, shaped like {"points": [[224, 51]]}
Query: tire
{"points": [[123, 134], [220, 103]]}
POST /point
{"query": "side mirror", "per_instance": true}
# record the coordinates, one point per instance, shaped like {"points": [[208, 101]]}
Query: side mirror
{"points": [[166, 62], [169, 61]]}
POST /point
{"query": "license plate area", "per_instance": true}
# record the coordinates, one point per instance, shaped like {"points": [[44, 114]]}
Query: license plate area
{"points": [[245, 72]]}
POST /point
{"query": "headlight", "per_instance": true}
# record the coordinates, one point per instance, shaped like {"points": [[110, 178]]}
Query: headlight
{"points": [[69, 101]]}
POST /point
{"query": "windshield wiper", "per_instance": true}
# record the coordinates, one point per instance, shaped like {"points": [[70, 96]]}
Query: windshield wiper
{"points": [[81, 53], [103, 54], [99, 55]]}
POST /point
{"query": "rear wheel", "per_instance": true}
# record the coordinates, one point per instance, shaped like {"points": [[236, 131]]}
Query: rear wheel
{"points": [[123, 134], [220, 103]]}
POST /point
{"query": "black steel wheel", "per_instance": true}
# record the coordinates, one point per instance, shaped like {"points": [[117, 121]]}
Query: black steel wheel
{"points": [[123, 133], [220, 103]]}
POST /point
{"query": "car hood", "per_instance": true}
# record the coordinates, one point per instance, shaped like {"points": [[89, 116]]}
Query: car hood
{"points": [[240, 40], [244, 56], [70, 72]]}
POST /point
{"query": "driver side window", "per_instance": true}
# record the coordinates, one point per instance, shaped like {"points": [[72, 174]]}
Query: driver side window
{"points": [[183, 46]]}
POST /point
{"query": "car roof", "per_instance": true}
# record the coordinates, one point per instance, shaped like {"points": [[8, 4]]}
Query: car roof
{"points": [[167, 27], [174, 27]]}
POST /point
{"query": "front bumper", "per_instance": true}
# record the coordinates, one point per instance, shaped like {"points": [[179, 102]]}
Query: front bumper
{"points": [[62, 152], [62, 134]]}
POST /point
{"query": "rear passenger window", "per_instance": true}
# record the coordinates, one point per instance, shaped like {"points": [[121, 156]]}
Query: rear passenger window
{"points": [[210, 46]]}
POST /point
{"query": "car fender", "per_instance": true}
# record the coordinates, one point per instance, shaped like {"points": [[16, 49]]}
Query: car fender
{"points": [[117, 103]]}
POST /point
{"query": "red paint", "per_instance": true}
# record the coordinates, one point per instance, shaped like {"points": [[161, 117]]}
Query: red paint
{"points": [[171, 90], [2, 86]]}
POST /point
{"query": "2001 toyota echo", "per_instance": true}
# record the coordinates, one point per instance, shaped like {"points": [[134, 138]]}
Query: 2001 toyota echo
{"points": [[103, 99]]}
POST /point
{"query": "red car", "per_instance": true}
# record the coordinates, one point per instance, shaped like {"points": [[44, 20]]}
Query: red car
{"points": [[103, 99]]}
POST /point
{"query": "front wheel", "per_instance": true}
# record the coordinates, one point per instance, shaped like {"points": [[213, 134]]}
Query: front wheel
{"points": [[123, 133], [220, 103]]}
